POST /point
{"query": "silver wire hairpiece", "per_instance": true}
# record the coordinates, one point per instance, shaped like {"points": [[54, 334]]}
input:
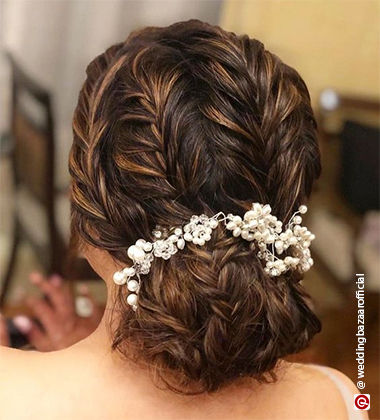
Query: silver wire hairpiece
{"points": [[257, 225]]}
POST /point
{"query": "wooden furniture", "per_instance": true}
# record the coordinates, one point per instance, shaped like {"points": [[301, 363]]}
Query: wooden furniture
{"points": [[32, 132]]}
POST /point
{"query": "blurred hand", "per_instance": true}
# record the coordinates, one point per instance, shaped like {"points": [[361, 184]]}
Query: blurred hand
{"points": [[4, 337], [61, 326]]}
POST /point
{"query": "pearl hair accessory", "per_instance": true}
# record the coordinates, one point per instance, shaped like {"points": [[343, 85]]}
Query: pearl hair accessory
{"points": [[257, 225]]}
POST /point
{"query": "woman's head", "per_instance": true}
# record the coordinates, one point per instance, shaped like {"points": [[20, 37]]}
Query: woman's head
{"points": [[185, 120]]}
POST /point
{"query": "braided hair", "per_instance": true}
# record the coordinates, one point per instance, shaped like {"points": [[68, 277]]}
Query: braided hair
{"points": [[184, 120]]}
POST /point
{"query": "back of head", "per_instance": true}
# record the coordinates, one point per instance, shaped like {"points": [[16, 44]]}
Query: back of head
{"points": [[185, 120]]}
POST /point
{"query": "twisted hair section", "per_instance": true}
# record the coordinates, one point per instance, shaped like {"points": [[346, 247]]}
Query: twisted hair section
{"points": [[184, 120]]}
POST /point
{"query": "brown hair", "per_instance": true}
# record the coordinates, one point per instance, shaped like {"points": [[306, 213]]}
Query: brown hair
{"points": [[185, 120]]}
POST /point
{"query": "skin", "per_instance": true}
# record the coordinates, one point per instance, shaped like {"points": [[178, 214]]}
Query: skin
{"points": [[89, 381]]}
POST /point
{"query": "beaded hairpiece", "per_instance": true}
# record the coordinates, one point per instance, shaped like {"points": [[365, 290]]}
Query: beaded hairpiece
{"points": [[256, 225]]}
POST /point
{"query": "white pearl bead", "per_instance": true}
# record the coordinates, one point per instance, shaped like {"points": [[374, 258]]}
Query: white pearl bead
{"points": [[157, 234], [270, 239], [253, 223], [188, 236], [181, 243], [147, 247], [265, 231], [136, 253], [178, 231], [236, 232], [173, 238], [129, 271], [231, 226], [266, 209], [293, 240], [140, 243], [132, 299], [237, 219], [288, 260], [244, 234], [249, 215], [213, 223], [302, 209], [278, 244], [119, 278], [297, 220], [257, 236], [132, 285]]}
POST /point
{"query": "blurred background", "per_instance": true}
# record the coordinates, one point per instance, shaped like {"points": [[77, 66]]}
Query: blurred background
{"points": [[335, 46]]}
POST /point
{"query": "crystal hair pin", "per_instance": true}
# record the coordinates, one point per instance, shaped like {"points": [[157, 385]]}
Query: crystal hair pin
{"points": [[257, 225]]}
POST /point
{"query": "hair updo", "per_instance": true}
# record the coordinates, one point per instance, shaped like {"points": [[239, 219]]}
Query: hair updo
{"points": [[185, 120]]}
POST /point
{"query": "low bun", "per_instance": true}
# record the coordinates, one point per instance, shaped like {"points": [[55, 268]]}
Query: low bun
{"points": [[185, 120], [209, 316]]}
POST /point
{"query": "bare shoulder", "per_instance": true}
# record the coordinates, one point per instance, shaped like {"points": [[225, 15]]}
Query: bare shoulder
{"points": [[323, 392], [320, 375], [337, 376], [17, 377], [9, 363], [9, 358], [347, 390], [35, 384], [12, 362]]}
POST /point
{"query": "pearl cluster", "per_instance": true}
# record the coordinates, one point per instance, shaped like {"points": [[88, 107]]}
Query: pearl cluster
{"points": [[272, 239], [256, 225], [199, 230]]}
